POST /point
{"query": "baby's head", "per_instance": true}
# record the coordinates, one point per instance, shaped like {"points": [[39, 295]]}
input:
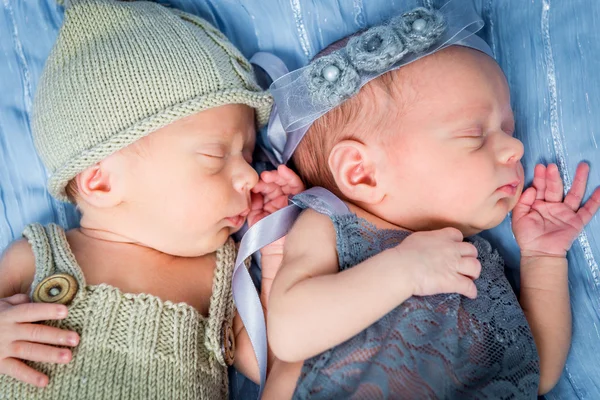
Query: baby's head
{"points": [[146, 120], [425, 146]]}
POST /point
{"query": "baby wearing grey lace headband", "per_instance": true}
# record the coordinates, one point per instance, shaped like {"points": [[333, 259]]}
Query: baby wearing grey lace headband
{"points": [[389, 300]]}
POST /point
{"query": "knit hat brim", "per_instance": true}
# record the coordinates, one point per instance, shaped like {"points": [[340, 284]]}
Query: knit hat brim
{"points": [[261, 102]]}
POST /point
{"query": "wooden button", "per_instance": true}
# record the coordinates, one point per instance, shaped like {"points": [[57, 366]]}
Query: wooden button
{"points": [[228, 346], [59, 289]]}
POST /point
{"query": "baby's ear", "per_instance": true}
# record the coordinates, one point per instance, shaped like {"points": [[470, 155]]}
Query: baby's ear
{"points": [[97, 186], [353, 168]]}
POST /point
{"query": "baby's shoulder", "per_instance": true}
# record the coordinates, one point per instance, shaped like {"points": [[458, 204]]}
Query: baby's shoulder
{"points": [[309, 218], [311, 225], [311, 233], [17, 268]]}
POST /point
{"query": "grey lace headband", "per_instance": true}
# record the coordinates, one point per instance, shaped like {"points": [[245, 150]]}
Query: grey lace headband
{"points": [[304, 95]]}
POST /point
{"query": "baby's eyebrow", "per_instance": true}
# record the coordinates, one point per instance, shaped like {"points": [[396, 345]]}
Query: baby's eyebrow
{"points": [[508, 124], [467, 112], [470, 130]]}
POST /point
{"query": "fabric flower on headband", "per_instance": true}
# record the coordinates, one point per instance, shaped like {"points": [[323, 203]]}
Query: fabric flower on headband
{"points": [[375, 50], [420, 28], [332, 79], [336, 77]]}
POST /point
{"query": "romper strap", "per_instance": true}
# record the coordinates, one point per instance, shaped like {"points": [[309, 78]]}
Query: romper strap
{"points": [[322, 201], [52, 254], [221, 309], [40, 245], [63, 255]]}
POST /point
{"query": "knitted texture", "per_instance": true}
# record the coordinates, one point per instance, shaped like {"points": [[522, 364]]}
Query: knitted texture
{"points": [[121, 70], [132, 346]]}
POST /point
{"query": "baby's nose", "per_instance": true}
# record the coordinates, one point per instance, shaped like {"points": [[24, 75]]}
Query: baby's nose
{"points": [[247, 179], [511, 151]]}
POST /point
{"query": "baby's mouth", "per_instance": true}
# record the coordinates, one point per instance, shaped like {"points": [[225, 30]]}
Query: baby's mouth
{"points": [[510, 189], [238, 220]]}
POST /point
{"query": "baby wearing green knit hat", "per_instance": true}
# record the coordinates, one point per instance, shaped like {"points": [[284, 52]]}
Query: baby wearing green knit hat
{"points": [[145, 117]]}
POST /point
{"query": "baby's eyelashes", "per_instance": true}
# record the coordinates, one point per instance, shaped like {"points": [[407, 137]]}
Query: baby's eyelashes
{"points": [[215, 156], [469, 133], [212, 150]]}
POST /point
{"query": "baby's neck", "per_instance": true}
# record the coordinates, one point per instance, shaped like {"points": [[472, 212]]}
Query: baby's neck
{"points": [[101, 235], [102, 225], [378, 222], [139, 269], [99, 245]]}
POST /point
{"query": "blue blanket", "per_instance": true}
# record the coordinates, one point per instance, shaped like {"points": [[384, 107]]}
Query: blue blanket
{"points": [[547, 48]]}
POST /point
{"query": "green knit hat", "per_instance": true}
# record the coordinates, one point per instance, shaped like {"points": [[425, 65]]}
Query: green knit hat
{"points": [[121, 70]]}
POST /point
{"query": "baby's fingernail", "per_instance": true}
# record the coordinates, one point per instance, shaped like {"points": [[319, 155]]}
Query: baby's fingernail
{"points": [[61, 312], [64, 356], [42, 381], [73, 340]]}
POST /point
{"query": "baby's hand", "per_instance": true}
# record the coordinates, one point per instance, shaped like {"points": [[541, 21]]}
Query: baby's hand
{"points": [[546, 225], [272, 191], [270, 194], [21, 339], [440, 262]]}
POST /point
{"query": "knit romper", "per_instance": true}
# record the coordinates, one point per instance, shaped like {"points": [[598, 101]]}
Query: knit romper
{"points": [[133, 346]]}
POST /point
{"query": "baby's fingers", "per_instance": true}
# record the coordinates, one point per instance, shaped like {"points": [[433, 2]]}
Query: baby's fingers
{"points": [[575, 195], [276, 204], [39, 333], [256, 209], [267, 188], [554, 184], [469, 267], [467, 249], [539, 181], [450, 234], [283, 177], [17, 299], [22, 372], [466, 287], [269, 176], [35, 312], [291, 183], [586, 213], [39, 352], [259, 187], [524, 205]]}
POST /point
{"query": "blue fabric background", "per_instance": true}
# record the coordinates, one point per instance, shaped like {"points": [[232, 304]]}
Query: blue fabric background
{"points": [[547, 48]]}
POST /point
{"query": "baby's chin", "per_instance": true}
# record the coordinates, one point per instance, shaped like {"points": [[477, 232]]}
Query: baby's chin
{"points": [[495, 220], [205, 244], [501, 210]]}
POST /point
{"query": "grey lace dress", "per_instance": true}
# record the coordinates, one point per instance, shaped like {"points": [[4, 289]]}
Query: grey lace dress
{"points": [[433, 347]]}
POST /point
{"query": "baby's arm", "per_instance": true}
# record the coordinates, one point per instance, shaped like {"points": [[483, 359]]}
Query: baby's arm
{"points": [[269, 195], [313, 307], [545, 226], [544, 298], [20, 338], [245, 359]]}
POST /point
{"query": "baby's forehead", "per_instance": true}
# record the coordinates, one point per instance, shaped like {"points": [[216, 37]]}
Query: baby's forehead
{"points": [[448, 74], [452, 83], [450, 62]]}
